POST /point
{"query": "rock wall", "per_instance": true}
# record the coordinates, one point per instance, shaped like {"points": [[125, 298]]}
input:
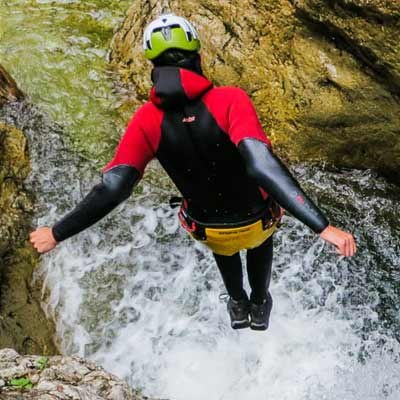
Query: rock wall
{"points": [[58, 378], [14, 203], [9, 90], [323, 74], [23, 325]]}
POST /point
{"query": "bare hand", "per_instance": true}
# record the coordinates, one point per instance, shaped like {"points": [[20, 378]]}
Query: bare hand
{"points": [[43, 240], [344, 241]]}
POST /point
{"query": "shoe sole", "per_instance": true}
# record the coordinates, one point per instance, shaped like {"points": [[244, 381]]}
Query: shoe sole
{"points": [[258, 327], [240, 324]]}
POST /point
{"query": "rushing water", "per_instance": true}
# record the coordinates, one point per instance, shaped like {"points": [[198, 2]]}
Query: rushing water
{"points": [[137, 295]]}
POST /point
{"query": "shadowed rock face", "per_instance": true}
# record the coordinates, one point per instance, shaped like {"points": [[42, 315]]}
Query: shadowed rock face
{"points": [[8, 88], [23, 324], [59, 378], [14, 168], [367, 29], [324, 75]]}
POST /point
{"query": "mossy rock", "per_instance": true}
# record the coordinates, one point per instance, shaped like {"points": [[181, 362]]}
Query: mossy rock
{"points": [[8, 88], [23, 324], [323, 74], [14, 203]]}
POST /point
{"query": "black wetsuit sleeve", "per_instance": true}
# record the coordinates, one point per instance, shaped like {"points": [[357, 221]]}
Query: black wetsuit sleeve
{"points": [[273, 176], [116, 186]]}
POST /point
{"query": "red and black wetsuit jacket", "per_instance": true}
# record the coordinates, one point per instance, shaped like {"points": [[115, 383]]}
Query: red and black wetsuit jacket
{"points": [[210, 142]]}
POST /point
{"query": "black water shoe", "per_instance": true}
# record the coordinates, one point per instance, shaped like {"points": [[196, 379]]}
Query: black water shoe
{"points": [[239, 312], [259, 314]]}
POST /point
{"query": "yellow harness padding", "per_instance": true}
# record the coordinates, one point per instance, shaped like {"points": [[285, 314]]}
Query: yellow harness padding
{"points": [[228, 241]]}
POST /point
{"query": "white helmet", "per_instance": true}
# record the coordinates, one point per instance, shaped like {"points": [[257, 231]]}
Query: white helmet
{"points": [[169, 31]]}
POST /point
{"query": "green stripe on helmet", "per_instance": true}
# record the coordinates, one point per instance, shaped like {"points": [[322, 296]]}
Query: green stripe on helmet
{"points": [[178, 40]]}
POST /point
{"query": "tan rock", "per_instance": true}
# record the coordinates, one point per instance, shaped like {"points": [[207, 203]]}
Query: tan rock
{"points": [[368, 28], [8, 88]]}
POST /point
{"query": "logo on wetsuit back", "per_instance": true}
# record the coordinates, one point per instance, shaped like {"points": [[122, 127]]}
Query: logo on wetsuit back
{"points": [[189, 119]]}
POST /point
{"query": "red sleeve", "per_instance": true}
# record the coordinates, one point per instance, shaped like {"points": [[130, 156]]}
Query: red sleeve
{"points": [[242, 119], [140, 140]]}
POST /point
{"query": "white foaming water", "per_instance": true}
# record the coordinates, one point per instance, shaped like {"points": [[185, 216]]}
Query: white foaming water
{"points": [[146, 307], [135, 294], [167, 332]]}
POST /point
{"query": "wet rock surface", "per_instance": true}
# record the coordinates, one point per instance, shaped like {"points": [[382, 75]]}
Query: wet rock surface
{"points": [[23, 325], [14, 203], [58, 378], [9, 90], [324, 75]]}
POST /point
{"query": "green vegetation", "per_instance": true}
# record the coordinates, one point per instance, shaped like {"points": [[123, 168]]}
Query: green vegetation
{"points": [[42, 362], [23, 383]]}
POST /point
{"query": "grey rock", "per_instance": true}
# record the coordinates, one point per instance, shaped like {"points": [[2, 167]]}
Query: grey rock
{"points": [[12, 372], [8, 354], [117, 392], [64, 378]]}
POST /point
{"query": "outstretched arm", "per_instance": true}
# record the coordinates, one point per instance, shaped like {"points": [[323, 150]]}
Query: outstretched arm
{"points": [[116, 186], [134, 152], [272, 175]]}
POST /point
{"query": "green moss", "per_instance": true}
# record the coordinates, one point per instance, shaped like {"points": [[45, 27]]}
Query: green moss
{"points": [[14, 167], [23, 325]]}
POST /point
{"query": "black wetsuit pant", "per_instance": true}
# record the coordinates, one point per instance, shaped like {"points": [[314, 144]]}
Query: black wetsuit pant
{"points": [[259, 263]]}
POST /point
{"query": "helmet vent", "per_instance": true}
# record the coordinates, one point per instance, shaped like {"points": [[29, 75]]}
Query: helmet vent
{"points": [[166, 32]]}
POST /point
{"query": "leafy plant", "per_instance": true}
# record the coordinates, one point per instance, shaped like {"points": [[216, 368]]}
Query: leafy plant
{"points": [[42, 362], [24, 383]]}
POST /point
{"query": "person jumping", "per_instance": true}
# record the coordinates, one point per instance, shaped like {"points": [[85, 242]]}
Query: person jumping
{"points": [[210, 142]]}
